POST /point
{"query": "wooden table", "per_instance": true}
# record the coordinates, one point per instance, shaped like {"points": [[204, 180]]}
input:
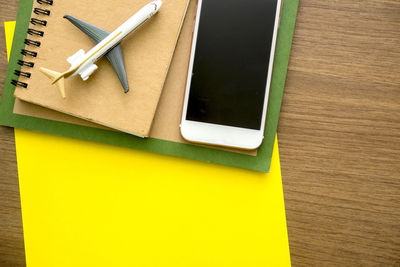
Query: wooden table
{"points": [[339, 136]]}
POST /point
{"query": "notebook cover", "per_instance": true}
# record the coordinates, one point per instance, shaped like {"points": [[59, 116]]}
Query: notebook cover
{"points": [[261, 162]]}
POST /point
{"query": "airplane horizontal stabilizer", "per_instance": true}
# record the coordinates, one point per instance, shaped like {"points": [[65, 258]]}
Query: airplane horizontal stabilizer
{"points": [[53, 75]]}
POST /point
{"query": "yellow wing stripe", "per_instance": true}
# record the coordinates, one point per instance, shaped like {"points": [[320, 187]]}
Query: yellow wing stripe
{"points": [[109, 41]]}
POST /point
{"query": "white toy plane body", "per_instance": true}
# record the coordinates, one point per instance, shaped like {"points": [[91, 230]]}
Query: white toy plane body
{"points": [[107, 44]]}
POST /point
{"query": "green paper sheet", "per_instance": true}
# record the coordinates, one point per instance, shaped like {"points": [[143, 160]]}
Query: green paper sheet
{"points": [[261, 162]]}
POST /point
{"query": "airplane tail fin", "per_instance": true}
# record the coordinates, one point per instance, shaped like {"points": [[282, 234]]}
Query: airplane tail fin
{"points": [[57, 78]]}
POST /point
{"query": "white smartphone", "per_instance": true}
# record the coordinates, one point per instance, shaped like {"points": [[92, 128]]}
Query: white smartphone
{"points": [[230, 71]]}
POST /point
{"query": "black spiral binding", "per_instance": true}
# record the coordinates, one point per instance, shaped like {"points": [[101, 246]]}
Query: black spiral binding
{"points": [[32, 43], [35, 32], [18, 83], [26, 63], [49, 2], [22, 73], [28, 53], [36, 21], [39, 11]]}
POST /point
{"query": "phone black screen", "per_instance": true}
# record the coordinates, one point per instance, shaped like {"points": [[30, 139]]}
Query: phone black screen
{"points": [[231, 61]]}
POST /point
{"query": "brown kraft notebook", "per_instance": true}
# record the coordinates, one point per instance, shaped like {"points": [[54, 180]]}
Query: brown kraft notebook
{"points": [[147, 54]]}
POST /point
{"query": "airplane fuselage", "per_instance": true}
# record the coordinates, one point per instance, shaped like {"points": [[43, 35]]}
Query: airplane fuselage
{"points": [[83, 63]]}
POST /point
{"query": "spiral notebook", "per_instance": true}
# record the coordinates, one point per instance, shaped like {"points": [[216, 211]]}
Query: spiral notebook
{"points": [[147, 53], [164, 135]]}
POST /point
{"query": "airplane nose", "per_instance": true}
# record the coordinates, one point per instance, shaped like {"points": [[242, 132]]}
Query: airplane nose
{"points": [[158, 4]]}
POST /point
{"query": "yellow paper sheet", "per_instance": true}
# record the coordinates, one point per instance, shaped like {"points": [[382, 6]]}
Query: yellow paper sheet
{"points": [[9, 27], [90, 204]]}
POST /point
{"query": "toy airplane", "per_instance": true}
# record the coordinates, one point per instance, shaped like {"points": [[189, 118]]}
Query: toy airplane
{"points": [[107, 44]]}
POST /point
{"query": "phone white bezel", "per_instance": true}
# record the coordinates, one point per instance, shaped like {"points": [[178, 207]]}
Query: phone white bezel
{"points": [[221, 135]]}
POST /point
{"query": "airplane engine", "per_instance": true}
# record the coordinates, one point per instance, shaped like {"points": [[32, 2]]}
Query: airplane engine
{"points": [[88, 71]]}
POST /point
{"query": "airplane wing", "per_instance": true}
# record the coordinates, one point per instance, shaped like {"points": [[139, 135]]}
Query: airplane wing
{"points": [[114, 55]]}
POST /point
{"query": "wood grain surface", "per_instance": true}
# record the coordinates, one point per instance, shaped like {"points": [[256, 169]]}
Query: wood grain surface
{"points": [[339, 136], [11, 235]]}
